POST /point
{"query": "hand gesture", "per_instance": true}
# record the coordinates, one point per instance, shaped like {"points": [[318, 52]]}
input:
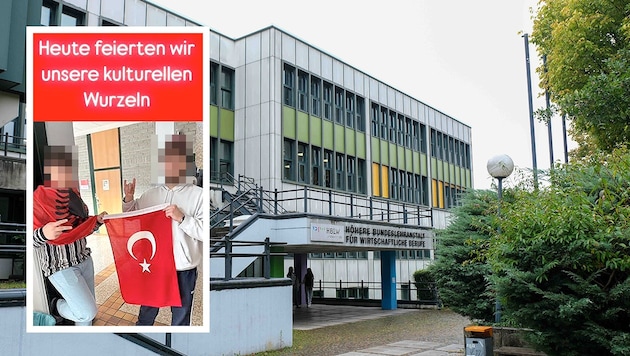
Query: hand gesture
{"points": [[173, 212], [54, 229], [129, 190], [99, 217]]}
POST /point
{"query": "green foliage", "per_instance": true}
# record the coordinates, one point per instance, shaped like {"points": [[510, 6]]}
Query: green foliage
{"points": [[561, 265], [460, 269], [587, 46], [425, 285]]}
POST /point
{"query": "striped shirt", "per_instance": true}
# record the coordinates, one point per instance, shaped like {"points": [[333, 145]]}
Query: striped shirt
{"points": [[54, 258]]}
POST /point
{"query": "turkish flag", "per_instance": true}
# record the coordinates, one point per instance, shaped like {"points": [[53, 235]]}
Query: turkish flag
{"points": [[142, 243]]}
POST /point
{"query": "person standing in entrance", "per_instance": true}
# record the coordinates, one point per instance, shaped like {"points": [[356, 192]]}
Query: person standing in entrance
{"points": [[309, 281], [295, 281], [185, 209]]}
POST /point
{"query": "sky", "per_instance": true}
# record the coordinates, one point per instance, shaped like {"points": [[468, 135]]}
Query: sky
{"points": [[464, 58]]}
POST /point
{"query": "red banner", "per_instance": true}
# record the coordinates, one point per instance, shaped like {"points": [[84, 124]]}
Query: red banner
{"points": [[106, 76], [142, 243]]}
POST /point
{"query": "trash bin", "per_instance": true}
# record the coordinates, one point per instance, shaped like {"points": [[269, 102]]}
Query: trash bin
{"points": [[478, 340]]}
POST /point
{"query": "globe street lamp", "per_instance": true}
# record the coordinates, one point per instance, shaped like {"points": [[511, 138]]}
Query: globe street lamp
{"points": [[499, 167]]}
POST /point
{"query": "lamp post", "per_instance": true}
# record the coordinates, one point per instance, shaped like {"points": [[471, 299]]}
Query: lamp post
{"points": [[499, 167]]}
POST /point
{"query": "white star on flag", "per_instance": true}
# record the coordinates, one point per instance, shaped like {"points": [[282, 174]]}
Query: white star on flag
{"points": [[145, 266]]}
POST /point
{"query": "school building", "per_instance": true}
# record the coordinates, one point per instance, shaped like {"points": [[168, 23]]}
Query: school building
{"points": [[313, 164]]}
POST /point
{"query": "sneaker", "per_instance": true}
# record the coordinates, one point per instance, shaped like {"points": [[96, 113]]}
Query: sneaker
{"points": [[52, 310]]}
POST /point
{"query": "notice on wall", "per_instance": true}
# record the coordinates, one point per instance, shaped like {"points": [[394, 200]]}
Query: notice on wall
{"points": [[111, 74]]}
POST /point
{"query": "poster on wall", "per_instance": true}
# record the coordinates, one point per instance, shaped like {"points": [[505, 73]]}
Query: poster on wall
{"points": [[124, 109]]}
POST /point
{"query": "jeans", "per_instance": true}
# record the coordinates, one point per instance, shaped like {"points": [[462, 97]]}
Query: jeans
{"points": [[76, 286], [180, 315]]}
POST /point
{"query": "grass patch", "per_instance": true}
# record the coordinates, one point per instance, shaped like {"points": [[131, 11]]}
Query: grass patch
{"points": [[12, 284]]}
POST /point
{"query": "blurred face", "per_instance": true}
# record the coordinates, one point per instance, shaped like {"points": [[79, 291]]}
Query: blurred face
{"points": [[173, 159], [61, 168], [175, 169]]}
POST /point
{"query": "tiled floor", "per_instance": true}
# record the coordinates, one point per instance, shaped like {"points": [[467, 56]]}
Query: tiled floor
{"points": [[114, 310]]}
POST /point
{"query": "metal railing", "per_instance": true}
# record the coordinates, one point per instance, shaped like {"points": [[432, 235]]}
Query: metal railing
{"points": [[422, 293], [13, 247], [229, 253], [323, 201], [17, 144]]}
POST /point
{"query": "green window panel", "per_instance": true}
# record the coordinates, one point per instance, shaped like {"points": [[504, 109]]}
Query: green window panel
{"points": [[393, 156], [415, 156], [328, 135], [451, 171], [214, 121], [423, 164], [440, 170], [288, 122], [227, 125], [408, 159], [361, 150], [375, 149], [302, 122], [339, 139], [385, 153], [350, 143], [434, 168], [316, 131], [468, 179]]}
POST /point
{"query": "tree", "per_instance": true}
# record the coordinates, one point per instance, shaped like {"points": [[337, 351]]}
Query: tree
{"points": [[460, 270], [587, 47], [561, 264]]}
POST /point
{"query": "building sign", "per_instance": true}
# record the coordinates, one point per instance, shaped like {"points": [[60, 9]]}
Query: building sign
{"points": [[372, 235], [327, 233], [117, 74]]}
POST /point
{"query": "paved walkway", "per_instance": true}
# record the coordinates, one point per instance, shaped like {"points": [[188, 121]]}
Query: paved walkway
{"points": [[320, 315]]}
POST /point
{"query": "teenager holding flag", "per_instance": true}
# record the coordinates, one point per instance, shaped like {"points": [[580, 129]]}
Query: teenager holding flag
{"points": [[185, 209]]}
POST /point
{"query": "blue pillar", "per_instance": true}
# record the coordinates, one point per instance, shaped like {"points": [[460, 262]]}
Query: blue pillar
{"points": [[300, 262], [388, 280]]}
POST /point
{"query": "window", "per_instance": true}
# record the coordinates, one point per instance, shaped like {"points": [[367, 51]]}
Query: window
{"points": [[227, 87], [49, 13], [303, 91], [360, 113], [425, 191], [458, 158], [349, 110], [392, 126], [401, 130], [351, 174], [328, 101], [214, 159], [393, 187], [226, 159], [433, 143], [415, 133], [316, 97], [408, 132], [339, 171], [316, 166], [417, 186], [287, 153], [289, 85], [339, 114], [384, 123], [410, 188], [423, 138], [374, 117], [439, 146], [214, 83], [302, 159], [467, 156], [72, 17], [361, 173], [401, 186], [328, 165], [108, 23]]}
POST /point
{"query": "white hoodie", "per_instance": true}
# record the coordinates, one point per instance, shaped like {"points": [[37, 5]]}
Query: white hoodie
{"points": [[187, 236]]}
